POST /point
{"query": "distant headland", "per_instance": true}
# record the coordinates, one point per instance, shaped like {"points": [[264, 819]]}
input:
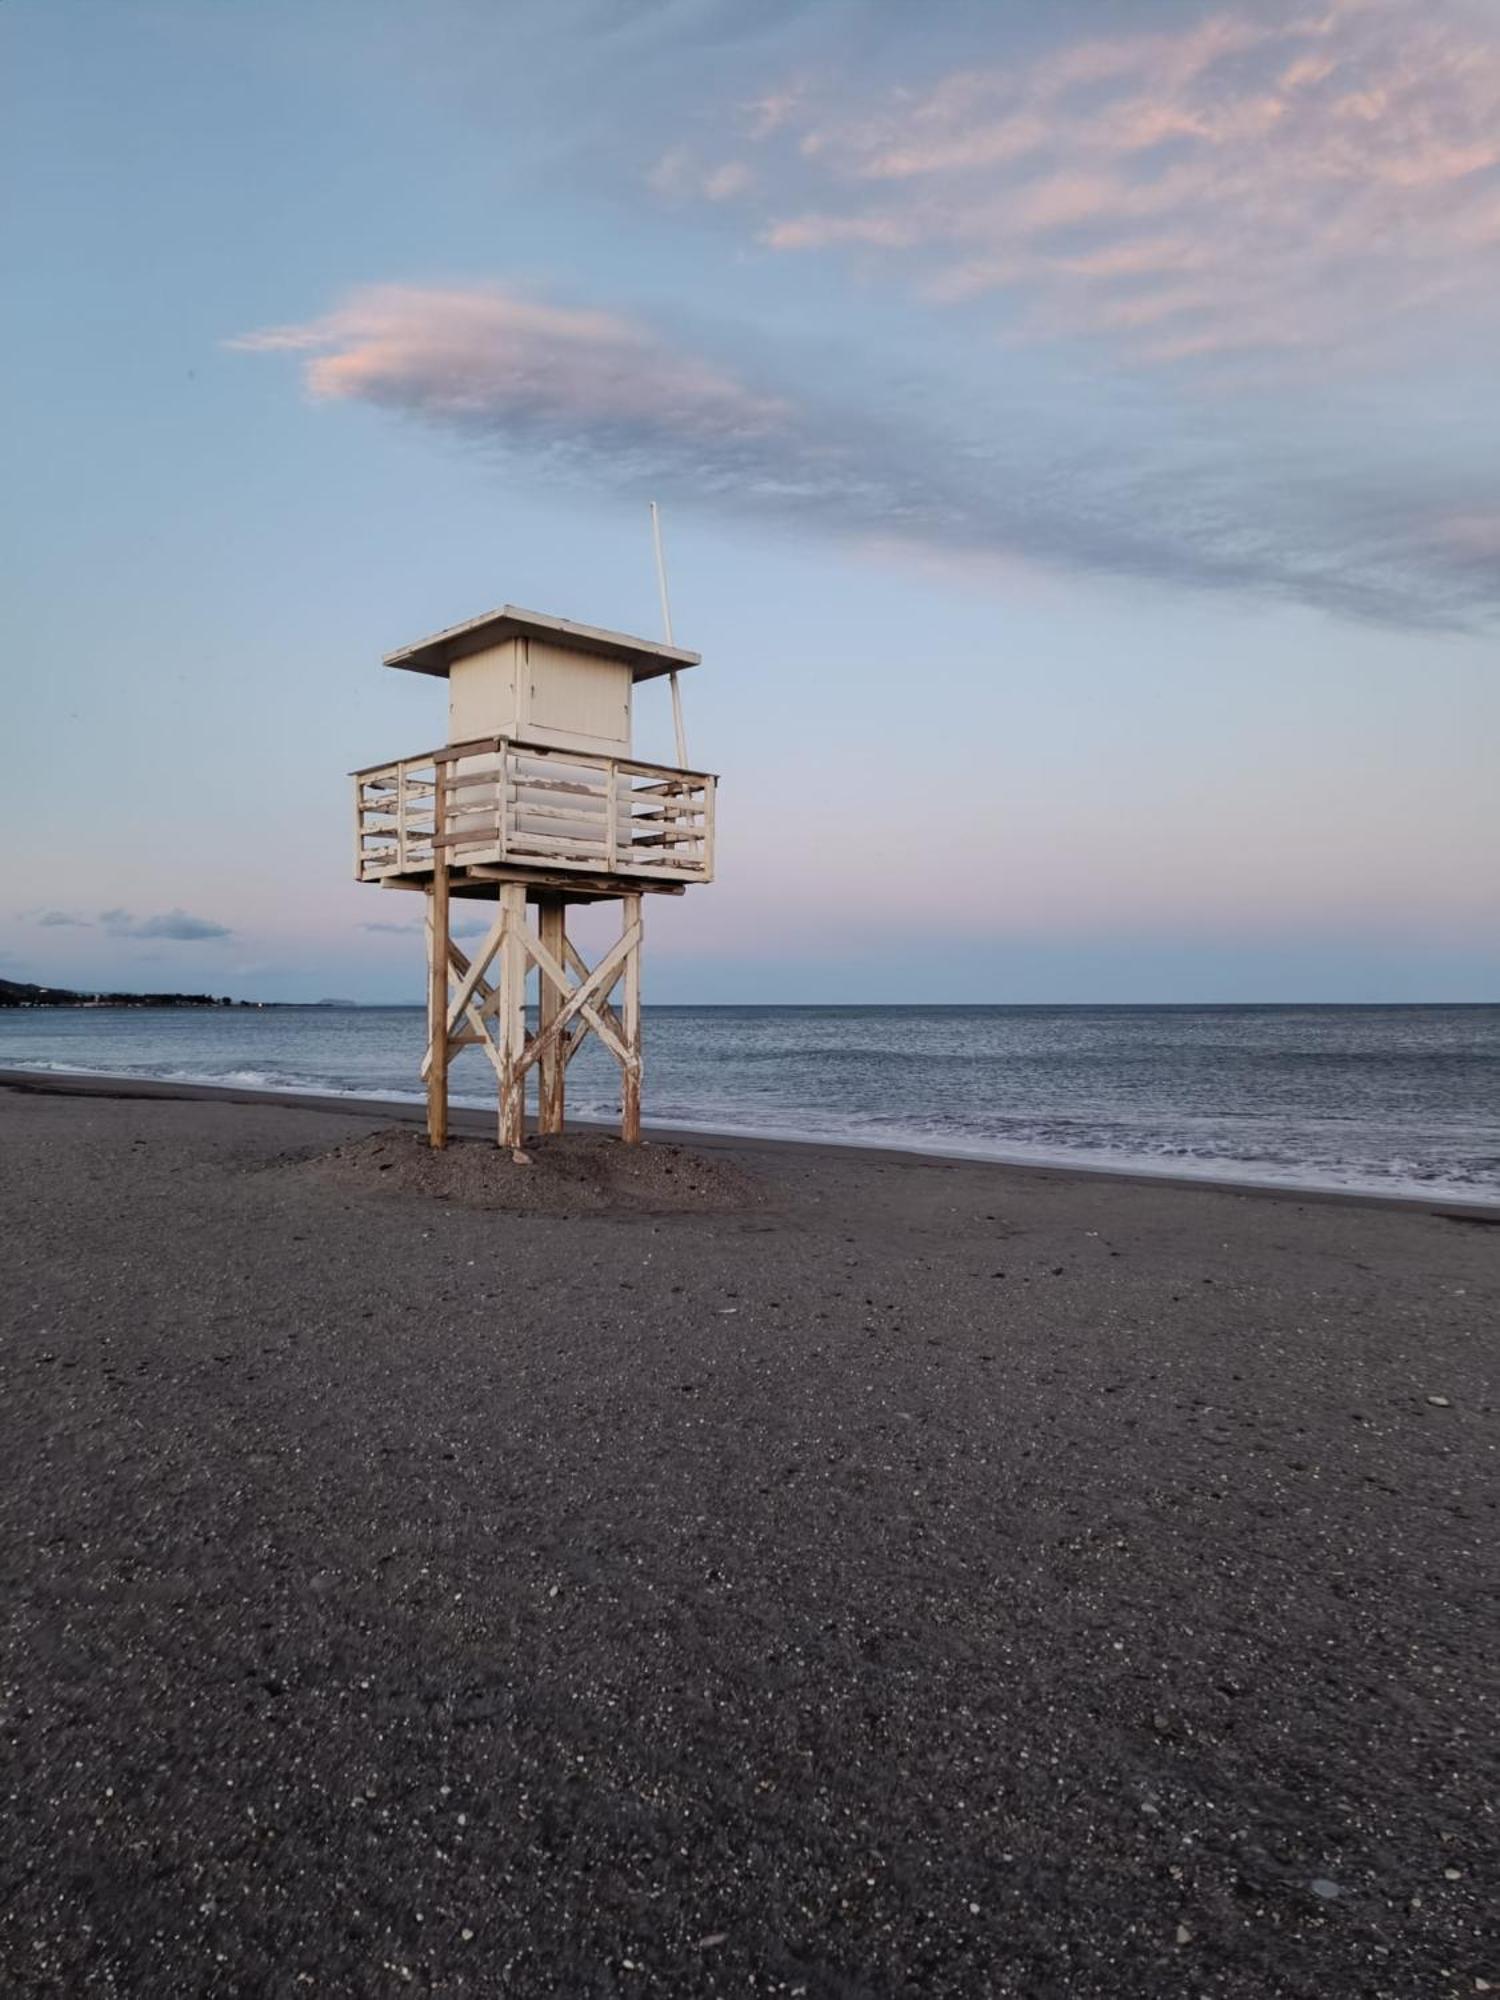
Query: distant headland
{"points": [[19, 993]]}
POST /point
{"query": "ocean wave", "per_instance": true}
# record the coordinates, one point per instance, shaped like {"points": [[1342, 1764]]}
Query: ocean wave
{"points": [[1147, 1104]]}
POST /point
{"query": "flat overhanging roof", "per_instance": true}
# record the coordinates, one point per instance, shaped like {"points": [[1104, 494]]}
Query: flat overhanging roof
{"points": [[646, 658]]}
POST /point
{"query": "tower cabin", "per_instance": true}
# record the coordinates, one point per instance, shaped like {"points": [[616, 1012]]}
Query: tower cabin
{"points": [[534, 804]]}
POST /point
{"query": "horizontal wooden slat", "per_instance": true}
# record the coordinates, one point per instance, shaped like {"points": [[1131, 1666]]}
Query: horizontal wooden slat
{"points": [[578, 814], [519, 842], [476, 836]]}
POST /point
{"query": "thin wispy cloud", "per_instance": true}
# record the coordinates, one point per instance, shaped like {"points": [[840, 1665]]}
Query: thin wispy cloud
{"points": [[498, 358], [1158, 267], [1475, 537], [175, 924], [1265, 178], [680, 175], [611, 401]]}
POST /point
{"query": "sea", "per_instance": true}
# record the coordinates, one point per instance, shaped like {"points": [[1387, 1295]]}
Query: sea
{"points": [[1387, 1100]]}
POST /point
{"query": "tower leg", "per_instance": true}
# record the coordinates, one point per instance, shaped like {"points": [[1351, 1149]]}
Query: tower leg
{"points": [[437, 1006], [630, 1017], [511, 1024], [553, 1066]]}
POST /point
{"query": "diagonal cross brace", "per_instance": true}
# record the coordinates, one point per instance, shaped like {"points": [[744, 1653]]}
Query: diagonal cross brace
{"points": [[483, 996], [577, 961], [458, 1004], [581, 998]]}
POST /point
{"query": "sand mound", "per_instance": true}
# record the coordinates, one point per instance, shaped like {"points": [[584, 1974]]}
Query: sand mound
{"points": [[576, 1173]]}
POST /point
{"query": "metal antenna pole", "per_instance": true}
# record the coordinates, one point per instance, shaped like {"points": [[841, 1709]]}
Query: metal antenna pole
{"points": [[666, 619]]}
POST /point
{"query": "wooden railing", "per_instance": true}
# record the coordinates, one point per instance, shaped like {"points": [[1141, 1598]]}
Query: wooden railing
{"points": [[495, 802]]}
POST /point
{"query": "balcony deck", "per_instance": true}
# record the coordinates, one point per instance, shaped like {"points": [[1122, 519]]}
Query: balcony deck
{"points": [[497, 809]]}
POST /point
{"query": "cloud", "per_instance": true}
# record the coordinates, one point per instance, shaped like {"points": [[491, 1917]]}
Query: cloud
{"points": [[608, 402], [56, 919], [681, 175], [1269, 178], [496, 358], [176, 924], [394, 930], [1475, 536]]}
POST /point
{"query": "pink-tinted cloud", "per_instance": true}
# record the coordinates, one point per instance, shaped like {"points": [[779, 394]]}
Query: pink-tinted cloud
{"points": [[1474, 537], [682, 175], [611, 400], [1326, 171], [487, 353]]}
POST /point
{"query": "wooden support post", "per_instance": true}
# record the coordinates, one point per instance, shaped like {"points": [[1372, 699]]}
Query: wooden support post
{"points": [[511, 1025], [437, 1005], [553, 1066], [630, 1014]]}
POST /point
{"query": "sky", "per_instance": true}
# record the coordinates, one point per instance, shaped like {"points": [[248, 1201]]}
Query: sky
{"points": [[1076, 428]]}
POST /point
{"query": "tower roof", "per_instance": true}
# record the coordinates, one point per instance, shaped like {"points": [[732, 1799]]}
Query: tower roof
{"points": [[646, 658]]}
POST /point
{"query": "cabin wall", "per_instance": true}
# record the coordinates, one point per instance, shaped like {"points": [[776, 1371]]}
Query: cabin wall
{"points": [[482, 693], [539, 693], [575, 700]]}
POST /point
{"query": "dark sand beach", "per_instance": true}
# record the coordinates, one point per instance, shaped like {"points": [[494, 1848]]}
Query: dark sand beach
{"points": [[812, 1572]]}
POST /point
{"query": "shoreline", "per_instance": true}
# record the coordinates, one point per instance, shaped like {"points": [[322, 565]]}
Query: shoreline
{"points": [[467, 1121]]}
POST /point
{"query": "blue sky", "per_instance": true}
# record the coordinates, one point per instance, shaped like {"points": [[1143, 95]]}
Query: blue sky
{"points": [[1076, 430]]}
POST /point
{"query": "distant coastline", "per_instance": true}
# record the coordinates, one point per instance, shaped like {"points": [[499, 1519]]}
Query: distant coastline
{"points": [[21, 993]]}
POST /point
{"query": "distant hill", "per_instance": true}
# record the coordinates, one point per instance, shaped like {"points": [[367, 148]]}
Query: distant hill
{"points": [[20, 993], [16, 993]]}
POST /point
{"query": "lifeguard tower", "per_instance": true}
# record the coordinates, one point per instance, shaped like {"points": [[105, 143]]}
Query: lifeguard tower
{"points": [[535, 802]]}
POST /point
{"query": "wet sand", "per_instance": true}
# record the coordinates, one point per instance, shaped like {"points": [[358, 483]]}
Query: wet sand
{"points": [[916, 1578]]}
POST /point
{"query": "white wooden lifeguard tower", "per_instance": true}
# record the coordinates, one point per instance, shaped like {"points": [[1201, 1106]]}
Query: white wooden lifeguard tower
{"points": [[534, 799]]}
